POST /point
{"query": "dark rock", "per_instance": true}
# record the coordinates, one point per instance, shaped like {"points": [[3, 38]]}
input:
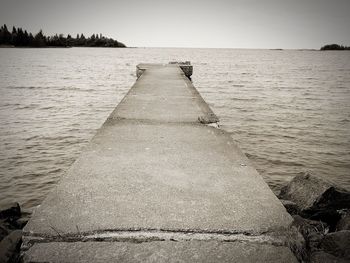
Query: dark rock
{"points": [[291, 207], [312, 231], [312, 193], [4, 230], [329, 216], [10, 211], [21, 222], [337, 244], [11, 217], [306, 226], [10, 247], [8, 224], [323, 257], [316, 199], [313, 241], [334, 197], [344, 222], [304, 190], [296, 243]]}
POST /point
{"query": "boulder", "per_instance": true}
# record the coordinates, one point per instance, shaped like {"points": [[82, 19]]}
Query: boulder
{"points": [[291, 207], [21, 222], [7, 226], [306, 226], [10, 247], [11, 210], [329, 216], [337, 244], [4, 230], [344, 222], [316, 198], [312, 231], [9, 215], [313, 242], [312, 193], [296, 243]]}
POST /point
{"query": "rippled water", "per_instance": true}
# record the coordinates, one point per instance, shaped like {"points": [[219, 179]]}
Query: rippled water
{"points": [[289, 111]]}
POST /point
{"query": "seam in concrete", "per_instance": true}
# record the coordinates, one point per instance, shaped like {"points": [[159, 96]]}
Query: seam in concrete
{"points": [[152, 235], [115, 120], [164, 230], [201, 121]]}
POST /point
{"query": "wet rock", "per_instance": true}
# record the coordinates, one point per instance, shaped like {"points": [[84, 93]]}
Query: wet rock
{"points": [[291, 207], [4, 230], [344, 222], [306, 226], [21, 222], [329, 216], [10, 211], [9, 216], [7, 226], [323, 257], [316, 199], [10, 247], [297, 244], [337, 244], [312, 193], [312, 231], [313, 242]]}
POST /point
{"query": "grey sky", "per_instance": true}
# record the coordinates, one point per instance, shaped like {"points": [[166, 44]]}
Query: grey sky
{"points": [[190, 23]]}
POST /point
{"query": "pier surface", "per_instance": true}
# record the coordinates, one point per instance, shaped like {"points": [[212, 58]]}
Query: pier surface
{"points": [[158, 184]]}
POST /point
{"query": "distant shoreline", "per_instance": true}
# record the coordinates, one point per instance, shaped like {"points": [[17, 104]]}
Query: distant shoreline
{"points": [[9, 46], [270, 49], [334, 47], [18, 37], [43, 47]]}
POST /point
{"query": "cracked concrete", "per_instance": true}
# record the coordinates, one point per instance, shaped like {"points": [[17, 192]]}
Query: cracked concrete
{"points": [[157, 173], [154, 235]]}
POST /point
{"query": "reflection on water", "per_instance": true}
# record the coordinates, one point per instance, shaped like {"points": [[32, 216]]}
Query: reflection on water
{"points": [[289, 111]]}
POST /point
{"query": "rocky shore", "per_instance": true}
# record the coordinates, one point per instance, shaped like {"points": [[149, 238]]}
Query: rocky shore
{"points": [[321, 213], [12, 220]]}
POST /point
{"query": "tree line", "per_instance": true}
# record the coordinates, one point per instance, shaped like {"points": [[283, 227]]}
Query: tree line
{"points": [[335, 47], [21, 38]]}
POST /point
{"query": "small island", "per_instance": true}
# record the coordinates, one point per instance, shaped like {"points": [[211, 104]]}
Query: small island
{"points": [[334, 47], [21, 38]]}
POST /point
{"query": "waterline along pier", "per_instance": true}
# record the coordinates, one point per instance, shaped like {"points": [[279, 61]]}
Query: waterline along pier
{"points": [[160, 183]]}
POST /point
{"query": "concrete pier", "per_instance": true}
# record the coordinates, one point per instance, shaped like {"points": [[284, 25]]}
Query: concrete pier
{"points": [[158, 184]]}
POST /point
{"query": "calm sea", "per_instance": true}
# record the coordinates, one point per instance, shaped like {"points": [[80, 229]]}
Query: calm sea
{"points": [[289, 111]]}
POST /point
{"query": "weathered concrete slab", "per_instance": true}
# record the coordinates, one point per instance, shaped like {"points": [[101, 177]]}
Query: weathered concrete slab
{"points": [[153, 167], [158, 251], [163, 94], [138, 175], [186, 67]]}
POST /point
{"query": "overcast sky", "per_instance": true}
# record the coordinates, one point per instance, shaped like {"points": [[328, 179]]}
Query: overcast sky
{"points": [[190, 23]]}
